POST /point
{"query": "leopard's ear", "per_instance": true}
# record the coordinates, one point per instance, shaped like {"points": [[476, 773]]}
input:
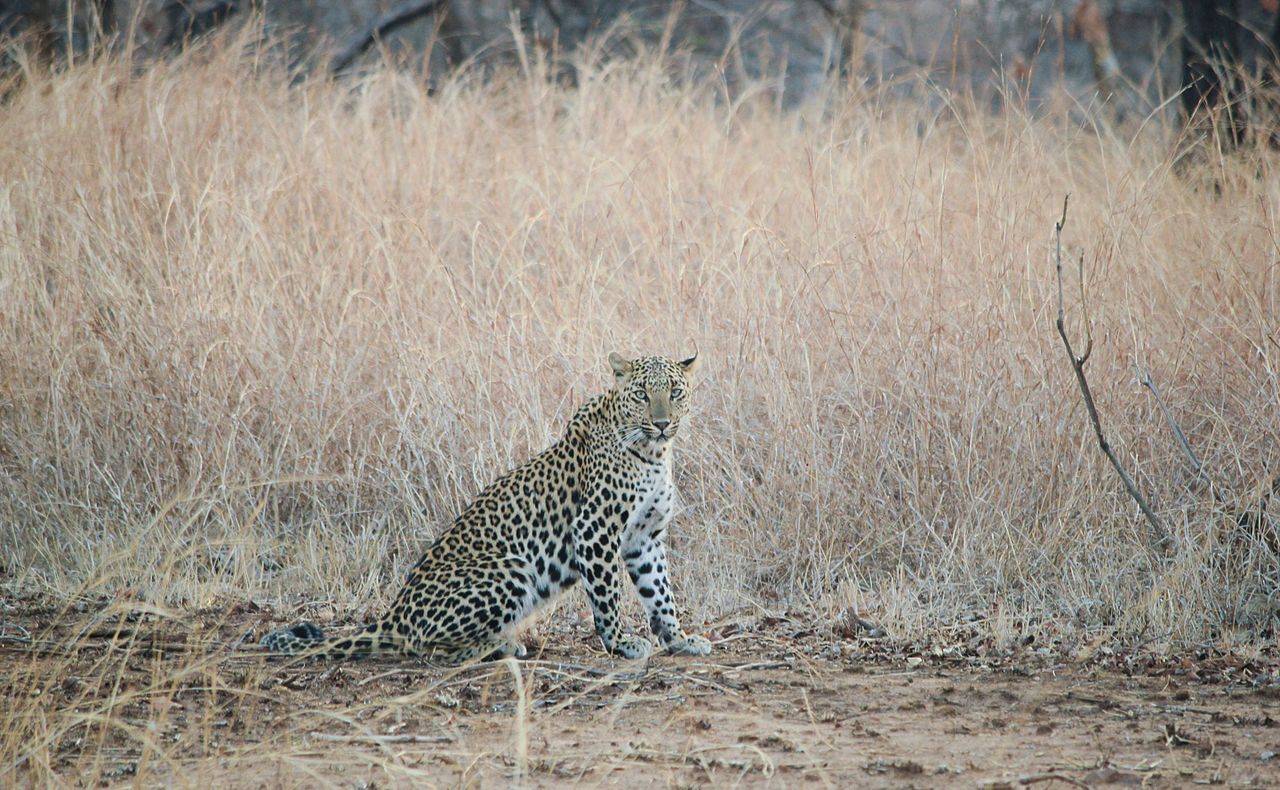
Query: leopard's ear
{"points": [[621, 367], [689, 365]]}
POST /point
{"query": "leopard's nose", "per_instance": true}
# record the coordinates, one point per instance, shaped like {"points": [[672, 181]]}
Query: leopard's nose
{"points": [[661, 425]]}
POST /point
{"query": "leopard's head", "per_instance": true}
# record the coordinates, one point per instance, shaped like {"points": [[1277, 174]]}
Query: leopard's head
{"points": [[651, 396]]}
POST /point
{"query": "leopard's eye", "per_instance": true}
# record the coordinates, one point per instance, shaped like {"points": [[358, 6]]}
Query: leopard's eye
{"points": [[677, 393], [640, 395]]}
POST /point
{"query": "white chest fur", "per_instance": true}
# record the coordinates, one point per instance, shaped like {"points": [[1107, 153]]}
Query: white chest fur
{"points": [[655, 502]]}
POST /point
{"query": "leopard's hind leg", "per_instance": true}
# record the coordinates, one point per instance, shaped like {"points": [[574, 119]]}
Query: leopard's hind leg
{"points": [[467, 614]]}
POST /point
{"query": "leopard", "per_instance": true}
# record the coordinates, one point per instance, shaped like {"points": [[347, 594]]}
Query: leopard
{"points": [[598, 500]]}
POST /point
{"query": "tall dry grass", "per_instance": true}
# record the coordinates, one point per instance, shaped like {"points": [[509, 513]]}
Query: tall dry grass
{"points": [[260, 341]]}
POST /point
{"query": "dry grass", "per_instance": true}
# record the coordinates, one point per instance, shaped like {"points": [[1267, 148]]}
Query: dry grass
{"points": [[261, 342]]}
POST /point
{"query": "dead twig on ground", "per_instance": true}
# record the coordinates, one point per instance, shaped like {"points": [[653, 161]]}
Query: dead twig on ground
{"points": [[761, 665], [12, 632], [1031, 779], [1160, 534], [381, 739]]}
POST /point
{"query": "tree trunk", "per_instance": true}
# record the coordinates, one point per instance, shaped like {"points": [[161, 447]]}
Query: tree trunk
{"points": [[1210, 62]]}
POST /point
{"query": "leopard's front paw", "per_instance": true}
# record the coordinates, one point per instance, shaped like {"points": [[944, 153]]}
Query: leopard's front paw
{"points": [[688, 645], [633, 647]]}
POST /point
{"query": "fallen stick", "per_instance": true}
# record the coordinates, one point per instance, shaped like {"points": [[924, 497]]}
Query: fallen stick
{"points": [[380, 739], [1030, 779]]}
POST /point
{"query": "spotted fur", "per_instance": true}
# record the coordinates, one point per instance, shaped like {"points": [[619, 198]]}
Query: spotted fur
{"points": [[597, 501]]}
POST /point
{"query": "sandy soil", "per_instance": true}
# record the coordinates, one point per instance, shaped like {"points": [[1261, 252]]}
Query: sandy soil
{"points": [[774, 705]]}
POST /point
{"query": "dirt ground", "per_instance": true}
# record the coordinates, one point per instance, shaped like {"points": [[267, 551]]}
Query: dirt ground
{"points": [[141, 700]]}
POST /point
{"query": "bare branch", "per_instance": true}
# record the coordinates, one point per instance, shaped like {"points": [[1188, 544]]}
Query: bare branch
{"points": [[1244, 517], [401, 13], [188, 20], [1160, 534], [1144, 378], [1084, 303]]}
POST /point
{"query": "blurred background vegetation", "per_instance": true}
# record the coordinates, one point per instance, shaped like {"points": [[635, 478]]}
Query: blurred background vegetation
{"points": [[1133, 54]]}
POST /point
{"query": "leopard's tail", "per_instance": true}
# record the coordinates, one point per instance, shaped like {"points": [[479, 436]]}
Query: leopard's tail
{"points": [[307, 639]]}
